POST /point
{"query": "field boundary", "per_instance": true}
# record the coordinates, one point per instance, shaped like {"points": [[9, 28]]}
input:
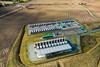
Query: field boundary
{"points": [[17, 40]]}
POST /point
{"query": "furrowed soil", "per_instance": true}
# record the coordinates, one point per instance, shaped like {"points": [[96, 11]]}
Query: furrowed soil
{"points": [[44, 11]]}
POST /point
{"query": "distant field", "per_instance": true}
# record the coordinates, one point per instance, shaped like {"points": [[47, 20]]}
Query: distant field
{"points": [[11, 25]]}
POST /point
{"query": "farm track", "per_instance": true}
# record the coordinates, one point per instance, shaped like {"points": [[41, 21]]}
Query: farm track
{"points": [[90, 12]]}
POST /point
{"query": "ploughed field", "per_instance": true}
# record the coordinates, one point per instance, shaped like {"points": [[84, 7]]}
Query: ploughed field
{"points": [[11, 25]]}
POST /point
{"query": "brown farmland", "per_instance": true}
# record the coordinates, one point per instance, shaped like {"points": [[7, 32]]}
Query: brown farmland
{"points": [[47, 10]]}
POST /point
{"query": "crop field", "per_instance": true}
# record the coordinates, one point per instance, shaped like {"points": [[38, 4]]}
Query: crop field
{"points": [[44, 11], [3, 54], [62, 12]]}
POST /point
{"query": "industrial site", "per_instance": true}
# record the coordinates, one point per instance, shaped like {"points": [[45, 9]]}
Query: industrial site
{"points": [[45, 33]]}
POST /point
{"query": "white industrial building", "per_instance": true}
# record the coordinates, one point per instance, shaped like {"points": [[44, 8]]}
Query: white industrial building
{"points": [[46, 47], [50, 26]]}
